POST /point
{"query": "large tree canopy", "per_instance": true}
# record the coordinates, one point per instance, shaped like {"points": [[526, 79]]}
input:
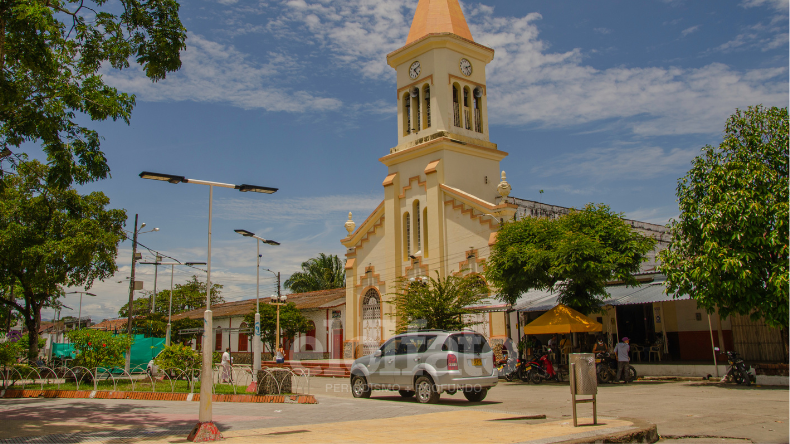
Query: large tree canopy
{"points": [[319, 273], [730, 244], [52, 237], [51, 54], [439, 302], [577, 254]]}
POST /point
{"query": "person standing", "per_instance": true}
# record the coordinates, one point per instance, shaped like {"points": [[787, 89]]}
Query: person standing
{"points": [[226, 366], [280, 356], [622, 350]]}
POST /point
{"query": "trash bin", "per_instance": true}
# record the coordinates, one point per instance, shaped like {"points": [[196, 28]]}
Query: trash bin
{"points": [[584, 380]]}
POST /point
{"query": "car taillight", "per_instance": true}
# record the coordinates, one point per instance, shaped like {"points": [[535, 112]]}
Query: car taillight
{"points": [[452, 362]]}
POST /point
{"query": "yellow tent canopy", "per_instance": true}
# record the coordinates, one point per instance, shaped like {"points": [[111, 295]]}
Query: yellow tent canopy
{"points": [[561, 319]]}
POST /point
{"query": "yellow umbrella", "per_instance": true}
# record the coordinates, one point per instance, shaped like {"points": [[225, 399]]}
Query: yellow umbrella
{"points": [[561, 319]]}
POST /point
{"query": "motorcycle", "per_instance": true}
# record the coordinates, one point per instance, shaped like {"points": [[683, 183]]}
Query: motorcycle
{"points": [[541, 369], [507, 367], [737, 371], [606, 368]]}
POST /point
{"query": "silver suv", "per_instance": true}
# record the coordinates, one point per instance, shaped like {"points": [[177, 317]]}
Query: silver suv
{"points": [[428, 362]]}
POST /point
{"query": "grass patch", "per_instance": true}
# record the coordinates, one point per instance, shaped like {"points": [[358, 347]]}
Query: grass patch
{"points": [[141, 386]]}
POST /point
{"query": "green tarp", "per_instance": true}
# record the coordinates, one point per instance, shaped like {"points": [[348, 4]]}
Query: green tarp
{"points": [[143, 350]]}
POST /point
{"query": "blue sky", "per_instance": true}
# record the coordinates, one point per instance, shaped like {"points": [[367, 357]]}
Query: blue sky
{"points": [[604, 101]]}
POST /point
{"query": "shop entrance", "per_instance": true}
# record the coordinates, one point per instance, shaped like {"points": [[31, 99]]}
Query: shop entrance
{"points": [[636, 322]]}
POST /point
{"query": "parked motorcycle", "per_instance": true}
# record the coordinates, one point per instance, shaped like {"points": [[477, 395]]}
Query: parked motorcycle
{"points": [[507, 367], [606, 368], [541, 369], [737, 371]]}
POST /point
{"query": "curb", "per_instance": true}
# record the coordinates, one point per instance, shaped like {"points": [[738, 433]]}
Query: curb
{"points": [[153, 396], [644, 432]]}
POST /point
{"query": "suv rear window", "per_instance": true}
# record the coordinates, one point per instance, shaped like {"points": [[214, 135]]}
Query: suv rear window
{"points": [[467, 343]]}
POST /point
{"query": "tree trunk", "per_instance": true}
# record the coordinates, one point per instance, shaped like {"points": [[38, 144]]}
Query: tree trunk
{"points": [[32, 336]]}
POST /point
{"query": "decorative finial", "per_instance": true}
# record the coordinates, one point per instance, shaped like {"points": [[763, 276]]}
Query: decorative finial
{"points": [[503, 188], [350, 225]]}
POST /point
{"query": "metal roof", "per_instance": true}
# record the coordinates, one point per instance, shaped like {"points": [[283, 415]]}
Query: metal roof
{"points": [[544, 300]]}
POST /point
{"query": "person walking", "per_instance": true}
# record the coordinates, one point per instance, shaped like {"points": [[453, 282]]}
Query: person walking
{"points": [[622, 350], [226, 366]]}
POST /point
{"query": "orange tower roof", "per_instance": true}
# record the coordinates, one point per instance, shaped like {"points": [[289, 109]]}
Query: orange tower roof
{"points": [[438, 16]]}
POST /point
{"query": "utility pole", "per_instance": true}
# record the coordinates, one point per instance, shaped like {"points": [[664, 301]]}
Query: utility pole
{"points": [[156, 274], [131, 297]]}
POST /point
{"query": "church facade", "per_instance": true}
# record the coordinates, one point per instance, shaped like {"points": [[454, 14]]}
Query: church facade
{"points": [[439, 212], [445, 193]]}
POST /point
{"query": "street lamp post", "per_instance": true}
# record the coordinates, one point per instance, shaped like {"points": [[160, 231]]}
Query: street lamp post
{"points": [[156, 274], [278, 300], [130, 310], [256, 343], [79, 315], [170, 305], [205, 430]]}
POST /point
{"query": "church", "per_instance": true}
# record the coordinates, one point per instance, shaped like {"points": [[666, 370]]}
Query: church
{"points": [[446, 195], [440, 210]]}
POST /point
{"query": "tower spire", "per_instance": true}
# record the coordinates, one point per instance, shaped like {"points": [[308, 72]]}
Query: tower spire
{"points": [[438, 16]]}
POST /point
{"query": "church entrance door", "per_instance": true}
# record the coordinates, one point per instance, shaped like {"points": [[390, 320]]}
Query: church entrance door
{"points": [[371, 322]]}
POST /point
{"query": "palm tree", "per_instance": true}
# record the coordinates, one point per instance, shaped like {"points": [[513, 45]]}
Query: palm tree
{"points": [[319, 273]]}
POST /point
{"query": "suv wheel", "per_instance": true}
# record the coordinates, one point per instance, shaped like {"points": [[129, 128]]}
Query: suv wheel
{"points": [[406, 393], [359, 387], [426, 390], [475, 395]]}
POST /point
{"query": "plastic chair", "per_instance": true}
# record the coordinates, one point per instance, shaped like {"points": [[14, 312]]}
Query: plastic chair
{"points": [[637, 349], [655, 349]]}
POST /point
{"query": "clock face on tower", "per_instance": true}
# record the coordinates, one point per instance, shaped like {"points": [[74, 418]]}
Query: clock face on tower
{"points": [[414, 70], [466, 67]]}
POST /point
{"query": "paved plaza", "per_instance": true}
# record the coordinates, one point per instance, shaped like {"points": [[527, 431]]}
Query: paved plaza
{"points": [[690, 411]]}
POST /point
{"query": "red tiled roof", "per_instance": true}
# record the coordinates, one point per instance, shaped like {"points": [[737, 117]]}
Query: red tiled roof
{"points": [[303, 301], [110, 325]]}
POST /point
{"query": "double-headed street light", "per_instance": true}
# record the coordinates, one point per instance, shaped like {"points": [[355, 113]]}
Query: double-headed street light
{"points": [[256, 342], [205, 428], [170, 307], [79, 316]]}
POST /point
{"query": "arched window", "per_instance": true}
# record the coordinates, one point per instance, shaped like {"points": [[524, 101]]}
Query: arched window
{"points": [[467, 111], [425, 232], [218, 339], [244, 339], [406, 235], [417, 227], [415, 104], [456, 109], [477, 110], [426, 93], [406, 114], [371, 321]]}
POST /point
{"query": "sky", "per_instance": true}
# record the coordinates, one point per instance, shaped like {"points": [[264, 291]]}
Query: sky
{"points": [[605, 102]]}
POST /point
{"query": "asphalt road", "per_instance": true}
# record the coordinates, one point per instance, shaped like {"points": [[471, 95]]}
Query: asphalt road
{"points": [[679, 409]]}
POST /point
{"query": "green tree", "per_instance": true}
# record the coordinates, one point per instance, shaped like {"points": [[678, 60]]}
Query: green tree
{"points": [[291, 322], [441, 302], [150, 325], [319, 273], [178, 356], [576, 253], [51, 53], [729, 245], [97, 348], [188, 296], [53, 237], [184, 324], [16, 348]]}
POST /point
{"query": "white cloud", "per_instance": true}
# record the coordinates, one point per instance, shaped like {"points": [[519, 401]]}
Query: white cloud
{"points": [[602, 30], [619, 163], [529, 85], [779, 5], [298, 210], [688, 31], [217, 73]]}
